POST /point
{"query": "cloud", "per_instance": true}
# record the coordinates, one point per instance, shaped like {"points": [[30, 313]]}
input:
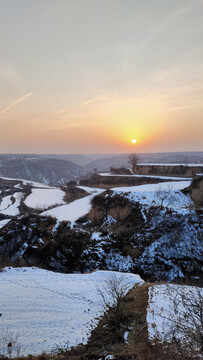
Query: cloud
{"points": [[89, 101], [15, 103]]}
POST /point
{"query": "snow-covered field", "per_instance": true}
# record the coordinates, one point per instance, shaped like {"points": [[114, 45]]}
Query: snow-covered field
{"points": [[76, 209], [9, 208], [44, 198], [28, 182], [152, 194], [46, 309], [147, 176], [171, 308]]}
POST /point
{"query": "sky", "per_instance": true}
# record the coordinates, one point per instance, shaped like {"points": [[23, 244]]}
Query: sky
{"points": [[88, 76]]}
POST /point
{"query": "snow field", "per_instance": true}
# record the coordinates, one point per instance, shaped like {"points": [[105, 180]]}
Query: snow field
{"points": [[9, 208], [44, 198], [46, 309], [151, 194], [147, 176], [76, 209], [28, 182]]}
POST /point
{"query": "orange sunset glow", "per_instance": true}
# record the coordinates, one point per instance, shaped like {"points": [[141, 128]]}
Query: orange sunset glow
{"points": [[113, 78]]}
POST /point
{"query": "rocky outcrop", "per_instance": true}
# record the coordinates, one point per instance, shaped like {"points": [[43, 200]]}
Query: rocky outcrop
{"points": [[196, 190]]}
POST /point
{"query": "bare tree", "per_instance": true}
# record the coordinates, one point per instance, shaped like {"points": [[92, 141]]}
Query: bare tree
{"points": [[165, 197], [133, 160], [112, 294]]}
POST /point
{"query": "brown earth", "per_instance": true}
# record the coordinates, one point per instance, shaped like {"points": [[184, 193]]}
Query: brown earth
{"points": [[196, 190], [169, 170], [108, 182]]}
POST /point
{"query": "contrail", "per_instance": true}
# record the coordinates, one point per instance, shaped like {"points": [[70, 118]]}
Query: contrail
{"points": [[15, 103], [89, 101]]}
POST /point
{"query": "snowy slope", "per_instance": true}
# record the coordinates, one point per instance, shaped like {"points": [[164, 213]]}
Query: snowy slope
{"points": [[151, 194], [76, 209], [9, 208], [44, 198], [27, 182], [47, 309]]}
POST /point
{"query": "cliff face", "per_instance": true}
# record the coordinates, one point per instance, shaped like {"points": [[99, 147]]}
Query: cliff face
{"points": [[168, 170], [196, 190]]}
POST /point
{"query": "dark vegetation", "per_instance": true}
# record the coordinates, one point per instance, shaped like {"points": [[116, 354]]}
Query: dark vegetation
{"points": [[125, 233]]}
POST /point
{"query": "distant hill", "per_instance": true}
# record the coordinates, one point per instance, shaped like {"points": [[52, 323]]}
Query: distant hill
{"points": [[119, 161], [41, 169], [59, 168]]}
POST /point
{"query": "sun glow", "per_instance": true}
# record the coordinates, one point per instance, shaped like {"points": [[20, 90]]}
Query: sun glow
{"points": [[134, 141]]}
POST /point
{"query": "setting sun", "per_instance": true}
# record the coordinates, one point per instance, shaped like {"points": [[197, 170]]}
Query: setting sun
{"points": [[134, 141]]}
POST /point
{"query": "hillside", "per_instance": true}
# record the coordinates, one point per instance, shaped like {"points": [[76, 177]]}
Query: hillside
{"points": [[41, 169], [86, 238], [153, 230]]}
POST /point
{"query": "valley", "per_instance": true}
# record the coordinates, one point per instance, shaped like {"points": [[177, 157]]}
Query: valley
{"points": [[144, 226]]}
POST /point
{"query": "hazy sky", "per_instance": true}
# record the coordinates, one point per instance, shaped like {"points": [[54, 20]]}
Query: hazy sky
{"points": [[82, 76]]}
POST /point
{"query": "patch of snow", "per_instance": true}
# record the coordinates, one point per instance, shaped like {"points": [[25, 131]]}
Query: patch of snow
{"points": [[125, 336], [148, 176], [173, 185], [18, 186], [74, 210], [28, 182], [44, 198], [13, 208], [152, 194], [55, 227], [166, 194], [5, 202], [96, 236], [45, 308]]}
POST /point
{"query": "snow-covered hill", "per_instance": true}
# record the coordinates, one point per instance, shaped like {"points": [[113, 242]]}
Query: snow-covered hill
{"points": [[41, 169]]}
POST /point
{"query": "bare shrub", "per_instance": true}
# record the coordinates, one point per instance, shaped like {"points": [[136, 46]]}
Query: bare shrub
{"points": [[165, 197], [112, 294]]}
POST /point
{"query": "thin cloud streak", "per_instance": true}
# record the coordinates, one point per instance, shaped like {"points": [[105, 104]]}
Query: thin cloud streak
{"points": [[15, 103], [89, 101]]}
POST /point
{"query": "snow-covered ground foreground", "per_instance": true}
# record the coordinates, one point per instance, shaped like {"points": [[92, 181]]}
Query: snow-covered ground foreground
{"points": [[76, 209], [165, 193], [174, 311], [46, 309], [44, 198]]}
